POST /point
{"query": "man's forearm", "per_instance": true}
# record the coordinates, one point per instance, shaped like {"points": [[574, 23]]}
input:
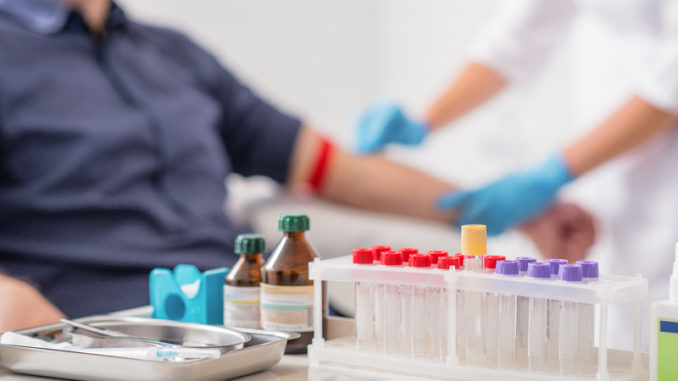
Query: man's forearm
{"points": [[473, 87], [369, 182], [630, 126]]}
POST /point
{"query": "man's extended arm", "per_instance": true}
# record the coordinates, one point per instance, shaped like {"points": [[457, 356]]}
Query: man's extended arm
{"points": [[369, 182]]}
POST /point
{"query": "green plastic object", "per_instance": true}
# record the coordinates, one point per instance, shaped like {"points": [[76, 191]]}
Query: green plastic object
{"points": [[667, 350], [188, 295], [289, 223], [250, 244]]}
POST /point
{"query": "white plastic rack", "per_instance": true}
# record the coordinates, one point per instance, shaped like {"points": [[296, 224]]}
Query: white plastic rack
{"points": [[445, 338]]}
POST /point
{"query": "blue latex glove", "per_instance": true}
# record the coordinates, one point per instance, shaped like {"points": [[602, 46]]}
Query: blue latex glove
{"points": [[386, 123], [512, 200]]}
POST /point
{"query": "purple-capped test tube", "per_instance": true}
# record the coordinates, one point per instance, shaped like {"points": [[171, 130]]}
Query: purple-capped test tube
{"points": [[554, 306], [523, 262], [522, 313], [506, 318], [569, 325], [537, 349], [589, 270], [586, 353]]}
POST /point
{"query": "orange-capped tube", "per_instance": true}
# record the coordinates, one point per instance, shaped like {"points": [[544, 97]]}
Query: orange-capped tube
{"points": [[473, 240]]}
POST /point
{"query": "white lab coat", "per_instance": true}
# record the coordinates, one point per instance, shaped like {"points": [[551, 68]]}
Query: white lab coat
{"points": [[635, 52]]}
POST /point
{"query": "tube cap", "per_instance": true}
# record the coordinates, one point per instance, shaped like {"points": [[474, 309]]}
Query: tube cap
{"points": [[250, 244], [555, 264], [539, 270], [435, 255], [473, 239], [523, 262], [570, 273], [444, 263], [391, 258], [407, 251], [461, 259], [505, 267], [288, 223], [378, 249], [490, 261], [419, 260], [589, 269], [363, 256]]}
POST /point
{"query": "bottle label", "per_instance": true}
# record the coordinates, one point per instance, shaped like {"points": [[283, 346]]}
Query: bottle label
{"points": [[287, 308], [667, 347], [241, 306]]}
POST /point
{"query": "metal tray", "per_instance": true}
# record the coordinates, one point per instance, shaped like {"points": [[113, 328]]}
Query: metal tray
{"points": [[264, 350]]}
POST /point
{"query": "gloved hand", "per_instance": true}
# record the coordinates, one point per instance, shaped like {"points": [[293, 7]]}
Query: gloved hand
{"points": [[512, 200], [387, 123]]}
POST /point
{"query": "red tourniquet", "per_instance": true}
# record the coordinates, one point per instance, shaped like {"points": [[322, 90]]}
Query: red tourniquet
{"points": [[319, 172]]}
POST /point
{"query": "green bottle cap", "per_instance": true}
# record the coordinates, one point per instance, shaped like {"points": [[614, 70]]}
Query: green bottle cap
{"points": [[250, 244], [293, 223]]}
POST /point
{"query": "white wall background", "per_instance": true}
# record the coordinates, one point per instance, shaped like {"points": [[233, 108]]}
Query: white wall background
{"points": [[328, 60]]}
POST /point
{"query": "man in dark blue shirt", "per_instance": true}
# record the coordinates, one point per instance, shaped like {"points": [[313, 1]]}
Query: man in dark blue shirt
{"points": [[115, 139]]}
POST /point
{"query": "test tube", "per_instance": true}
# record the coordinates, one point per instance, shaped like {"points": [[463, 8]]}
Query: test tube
{"points": [[434, 255], [569, 330], [378, 249], [473, 247], [435, 297], [586, 354], [406, 311], [461, 260], [491, 312], [420, 310], [379, 293], [406, 252], [391, 309], [364, 303], [522, 313], [445, 263], [537, 351], [553, 322], [506, 319]]}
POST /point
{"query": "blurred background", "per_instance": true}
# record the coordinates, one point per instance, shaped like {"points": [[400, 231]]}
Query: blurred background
{"points": [[329, 60]]}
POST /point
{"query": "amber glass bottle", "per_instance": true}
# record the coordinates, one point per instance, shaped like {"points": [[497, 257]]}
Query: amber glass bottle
{"points": [[241, 292], [286, 290]]}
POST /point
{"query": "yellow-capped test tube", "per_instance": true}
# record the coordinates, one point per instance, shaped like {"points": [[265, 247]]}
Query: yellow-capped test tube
{"points": [[473, 247], [473, 240]]}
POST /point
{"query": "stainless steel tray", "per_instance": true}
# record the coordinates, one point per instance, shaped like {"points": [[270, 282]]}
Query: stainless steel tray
{"points": [[264, 350]]}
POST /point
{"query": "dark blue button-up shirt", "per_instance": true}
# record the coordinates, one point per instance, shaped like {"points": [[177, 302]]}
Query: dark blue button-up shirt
{"points": [[113, 154]]}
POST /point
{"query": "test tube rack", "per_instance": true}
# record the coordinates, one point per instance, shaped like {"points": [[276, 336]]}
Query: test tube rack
{"points": [[445, 362]]}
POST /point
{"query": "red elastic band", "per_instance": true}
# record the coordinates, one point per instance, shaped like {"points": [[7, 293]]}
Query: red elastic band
{"points": [[320, 169]]}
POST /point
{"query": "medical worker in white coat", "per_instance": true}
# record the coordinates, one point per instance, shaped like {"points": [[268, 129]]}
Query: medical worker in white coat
{"points": [[625, 160]]}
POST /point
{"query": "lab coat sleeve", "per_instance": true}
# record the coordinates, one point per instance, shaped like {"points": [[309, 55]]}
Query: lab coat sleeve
{"points": [[518, 40], [658, 84]]}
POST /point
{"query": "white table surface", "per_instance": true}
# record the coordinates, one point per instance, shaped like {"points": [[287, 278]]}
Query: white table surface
{"points": [[291, 368]]}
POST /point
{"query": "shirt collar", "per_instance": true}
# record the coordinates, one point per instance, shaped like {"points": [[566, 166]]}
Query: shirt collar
{"points": [[51, 16]]}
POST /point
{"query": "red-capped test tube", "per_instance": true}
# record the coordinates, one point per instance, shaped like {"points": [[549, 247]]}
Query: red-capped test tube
{"points": [[364, 308], [406, 252], [419, 312], [491, 311], [391, 305], [446, 264], [434, 255], [378, 249]]}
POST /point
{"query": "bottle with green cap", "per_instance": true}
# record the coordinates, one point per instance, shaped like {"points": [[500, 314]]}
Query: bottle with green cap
{"points": [[286, 290], [241, 291]]}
